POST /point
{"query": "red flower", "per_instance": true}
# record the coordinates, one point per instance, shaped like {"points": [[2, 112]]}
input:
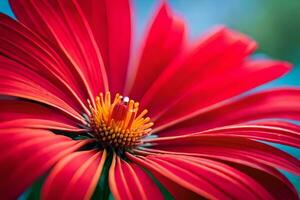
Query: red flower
{"points": [[60, 59]]}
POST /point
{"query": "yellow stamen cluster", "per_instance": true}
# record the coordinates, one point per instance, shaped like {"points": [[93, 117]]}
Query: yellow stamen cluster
{"points": [[118, 123]]}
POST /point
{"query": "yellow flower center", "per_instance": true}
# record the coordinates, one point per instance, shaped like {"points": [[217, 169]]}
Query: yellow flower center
{"points": [[118, 123]]}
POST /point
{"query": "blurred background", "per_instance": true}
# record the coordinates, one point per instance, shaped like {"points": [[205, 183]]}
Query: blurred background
{"points": [[274, 24]]}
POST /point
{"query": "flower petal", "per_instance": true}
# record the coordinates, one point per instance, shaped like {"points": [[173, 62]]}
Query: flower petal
{"points": [[75, 176], [217, 53], [164, 41], [33, 87], [177, 191], [230, 178], [31, 53], [17, 113], [205, 169], [216, 89], [277, 123], [273, 103], [259, 132], [109, 18], [69, 29], [227, 146], [207, 178], [31, 150], [129, 181], [278, 188]]}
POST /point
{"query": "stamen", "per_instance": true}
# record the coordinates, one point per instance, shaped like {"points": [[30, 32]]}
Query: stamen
{"points": [[118, 124]]}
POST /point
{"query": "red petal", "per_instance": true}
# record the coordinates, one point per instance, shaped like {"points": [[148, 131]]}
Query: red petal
{"points": [[75, 176], [69, 28], [129, 181], [40, 124], [203, 63], [26, 13], [110, 21], [219, 88], [226, 179], [276, 123], [29, 150], [34, 55], [227, 146], [177, 191], [275, 103], [260, 132], [278, 188], [17, 113], [164, 41], [236, 179], [209, 179], [33, 87]]}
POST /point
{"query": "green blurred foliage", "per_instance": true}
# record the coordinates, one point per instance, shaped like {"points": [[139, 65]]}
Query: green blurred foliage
{"points": [[275, 25]]}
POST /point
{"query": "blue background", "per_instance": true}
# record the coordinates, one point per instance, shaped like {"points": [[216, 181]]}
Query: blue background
{"points": [[275, 24]]}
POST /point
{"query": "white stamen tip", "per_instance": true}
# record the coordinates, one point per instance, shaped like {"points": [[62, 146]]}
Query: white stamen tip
{"points": [[126, 99]]}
